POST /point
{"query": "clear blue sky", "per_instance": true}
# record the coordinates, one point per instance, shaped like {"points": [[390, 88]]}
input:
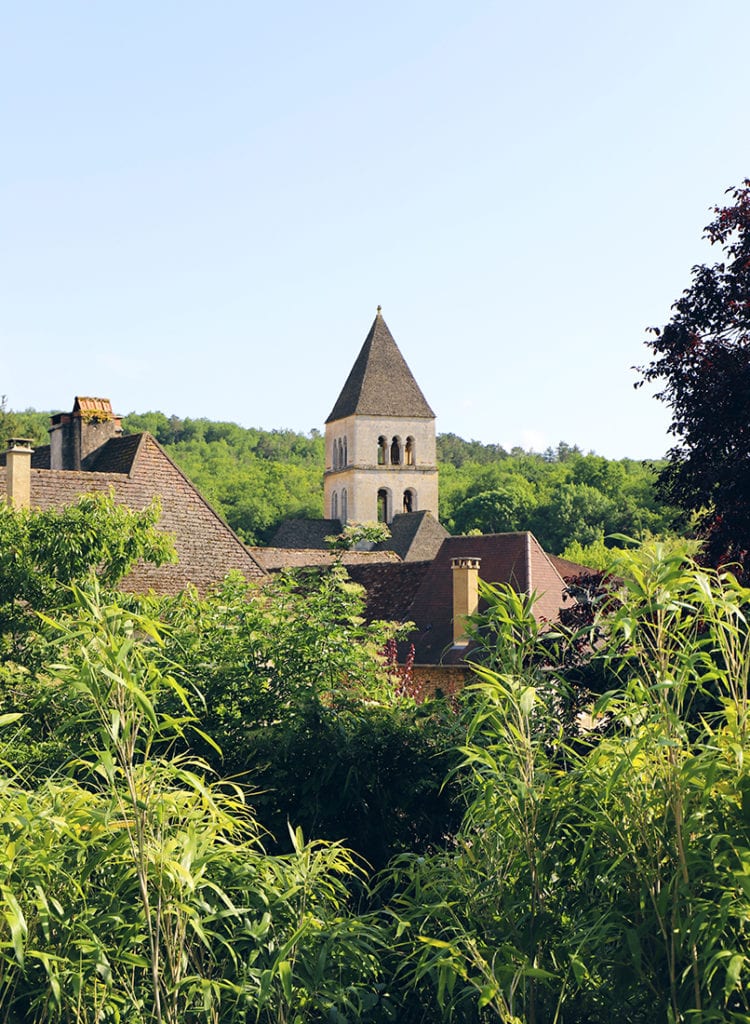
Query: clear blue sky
{"points": [[202, 204]]}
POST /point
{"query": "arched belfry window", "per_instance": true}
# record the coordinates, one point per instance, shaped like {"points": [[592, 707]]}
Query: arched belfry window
{"points": [[344, 506], [346, 455], [382, 451], [396, 451], [382, 505], [334, 506], [410, 501], [409, 452]]}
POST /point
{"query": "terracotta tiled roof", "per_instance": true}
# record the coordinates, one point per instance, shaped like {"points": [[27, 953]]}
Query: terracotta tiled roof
{"points": [[93, 405], [273, 559], [138, 470], [390, 588], [514, 558], [380, 382]]}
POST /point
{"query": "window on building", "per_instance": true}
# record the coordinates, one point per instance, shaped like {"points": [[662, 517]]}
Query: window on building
{"points": [[410, 501], [382, 449], [382, 505], [346, 455], [409, 452], [344, 506], [396, 452]]}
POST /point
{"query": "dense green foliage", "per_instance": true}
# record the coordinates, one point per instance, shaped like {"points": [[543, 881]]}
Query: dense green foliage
{"points": [[606, 879], [592, 876], [257, 478], [304, 709], [563, 496], [43, 552], [30, 424]]}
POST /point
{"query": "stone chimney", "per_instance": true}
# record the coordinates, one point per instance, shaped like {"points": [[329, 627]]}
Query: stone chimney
{"points": [[75, 436], [18, 472], [465, 596]]}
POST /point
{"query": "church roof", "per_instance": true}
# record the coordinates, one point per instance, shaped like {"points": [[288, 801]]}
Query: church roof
{"points": [[415, 536], [306, 533], [274, 559], [380, 382]]}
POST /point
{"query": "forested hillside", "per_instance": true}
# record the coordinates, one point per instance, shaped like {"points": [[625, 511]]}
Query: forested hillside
{"points": [[256, 478]]}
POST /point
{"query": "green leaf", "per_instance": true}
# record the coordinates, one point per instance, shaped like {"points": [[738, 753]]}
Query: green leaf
{"points": [[16, 922], [733, 975], [285, 975]]}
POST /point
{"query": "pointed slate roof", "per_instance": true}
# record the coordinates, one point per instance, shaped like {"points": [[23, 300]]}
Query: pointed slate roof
{"points": [[380, 382]]}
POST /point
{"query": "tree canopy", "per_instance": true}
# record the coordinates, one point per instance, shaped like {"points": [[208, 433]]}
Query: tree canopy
{"points": [[258, 478], [701, 359]]}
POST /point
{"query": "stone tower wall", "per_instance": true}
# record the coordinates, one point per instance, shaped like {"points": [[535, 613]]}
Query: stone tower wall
{"points": [[363, 476]]}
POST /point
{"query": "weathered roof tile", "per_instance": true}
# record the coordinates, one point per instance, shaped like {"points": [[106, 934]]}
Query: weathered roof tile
{"points": [[380, 382]]}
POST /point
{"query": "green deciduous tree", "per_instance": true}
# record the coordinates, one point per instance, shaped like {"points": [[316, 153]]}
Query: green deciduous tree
{"points": [[701, 360], [43, 552], [302, 703], [501, 510]]}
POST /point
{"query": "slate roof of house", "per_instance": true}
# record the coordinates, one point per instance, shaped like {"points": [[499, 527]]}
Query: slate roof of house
{"points": [[390, 588], [415, 536], [116, 455], [39, 457], [305, 533], [380, 382], [567, 568], [136, 469], [273, 559]]}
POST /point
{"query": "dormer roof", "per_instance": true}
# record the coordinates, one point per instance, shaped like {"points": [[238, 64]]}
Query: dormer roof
{"points": [[380, 382]]}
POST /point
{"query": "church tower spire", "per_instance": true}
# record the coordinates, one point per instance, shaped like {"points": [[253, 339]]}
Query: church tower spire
{"points": [[380, 438]]}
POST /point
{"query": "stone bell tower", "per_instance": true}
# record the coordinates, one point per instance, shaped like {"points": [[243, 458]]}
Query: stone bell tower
{"points": [[380, 439]]}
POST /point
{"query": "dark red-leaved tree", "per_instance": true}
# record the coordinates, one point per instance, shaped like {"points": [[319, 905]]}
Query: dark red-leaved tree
{"points": [[702, 356]]}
